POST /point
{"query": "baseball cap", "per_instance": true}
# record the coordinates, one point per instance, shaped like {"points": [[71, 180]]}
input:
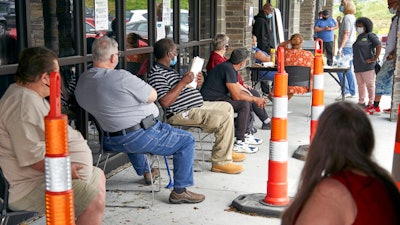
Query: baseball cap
{"points": [[326, 12]]}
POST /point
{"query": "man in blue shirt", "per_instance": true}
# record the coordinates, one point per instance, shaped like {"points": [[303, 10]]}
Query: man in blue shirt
{"points": [[324, 29]]}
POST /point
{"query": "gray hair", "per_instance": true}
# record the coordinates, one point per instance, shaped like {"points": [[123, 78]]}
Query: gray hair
{"points": [[219, 41], [103, 48], [239, 55]]}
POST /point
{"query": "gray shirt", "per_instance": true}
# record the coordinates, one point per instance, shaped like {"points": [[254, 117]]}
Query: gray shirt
{"points": [[348, 24], [364, 48], [116, 98]]}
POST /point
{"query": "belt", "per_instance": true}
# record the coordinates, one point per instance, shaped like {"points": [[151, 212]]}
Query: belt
{"points": [[147, 122], [169, 115]]}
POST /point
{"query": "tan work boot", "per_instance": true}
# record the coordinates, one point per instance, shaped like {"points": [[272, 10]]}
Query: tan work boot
{"points": [[230, 168], [238, 157], [155, 174]]}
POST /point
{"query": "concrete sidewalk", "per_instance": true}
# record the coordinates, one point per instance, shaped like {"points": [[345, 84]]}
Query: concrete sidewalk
{"points": [[221, 189]]}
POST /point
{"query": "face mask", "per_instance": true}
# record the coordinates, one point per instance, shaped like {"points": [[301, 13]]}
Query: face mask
{"points": [[392, 11], [269, 16], [341, 8], [255, 46], [360, 30], [324, 18], [174, 61]]}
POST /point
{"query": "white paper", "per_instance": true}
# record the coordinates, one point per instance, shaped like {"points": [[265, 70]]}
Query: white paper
{"points": [[197, 66]]}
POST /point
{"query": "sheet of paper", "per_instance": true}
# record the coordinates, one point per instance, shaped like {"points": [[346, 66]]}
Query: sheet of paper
{"points": [[197, 66]]}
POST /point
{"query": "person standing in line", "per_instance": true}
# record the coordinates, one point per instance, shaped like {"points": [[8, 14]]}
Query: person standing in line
{"points": [[384, 78], [315, 36], [347, 36], [340, 182], [263, 28], [366, 51], [324, 29]]}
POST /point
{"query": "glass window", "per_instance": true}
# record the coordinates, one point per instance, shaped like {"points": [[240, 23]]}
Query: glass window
{"points": [[8, 33], [137, 34]]}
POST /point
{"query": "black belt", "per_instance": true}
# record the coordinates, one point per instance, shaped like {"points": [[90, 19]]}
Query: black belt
{"points": [[146, 123], [169, 115]]}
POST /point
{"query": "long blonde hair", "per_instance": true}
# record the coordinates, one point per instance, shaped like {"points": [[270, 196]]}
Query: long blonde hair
{"points": [[349, 7]]}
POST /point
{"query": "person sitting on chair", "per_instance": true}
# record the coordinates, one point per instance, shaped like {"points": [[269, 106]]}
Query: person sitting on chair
{"points": [[221, 84], [23, 108], [217, 56], [296, 56], [136, 61], [185, 106], [123, 105]]}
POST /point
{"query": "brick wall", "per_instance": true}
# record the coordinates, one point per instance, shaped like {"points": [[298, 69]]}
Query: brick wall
{"points": [[396, 83]]}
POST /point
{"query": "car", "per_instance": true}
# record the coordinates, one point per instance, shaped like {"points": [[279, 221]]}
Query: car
{"points": [[136, 15], [91, 31], [7, 16], [383, 40], [139, 27]]}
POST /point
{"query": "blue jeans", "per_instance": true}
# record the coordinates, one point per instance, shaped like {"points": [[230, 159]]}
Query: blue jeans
{"points": [[349, 86], [160, 139]]}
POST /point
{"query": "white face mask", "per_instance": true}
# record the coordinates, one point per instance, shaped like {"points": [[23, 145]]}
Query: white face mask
{"points": [[392, 10], [360, 30]]}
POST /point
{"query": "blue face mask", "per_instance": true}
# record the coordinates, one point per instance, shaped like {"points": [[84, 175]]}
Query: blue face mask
{"points": [[174, 61], [269, 16], [341, 8]]}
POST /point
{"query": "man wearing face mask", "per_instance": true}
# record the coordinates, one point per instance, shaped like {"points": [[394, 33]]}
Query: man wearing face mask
{"points": [[384, 78], [263, 28], [184, 106], [324, 29]]}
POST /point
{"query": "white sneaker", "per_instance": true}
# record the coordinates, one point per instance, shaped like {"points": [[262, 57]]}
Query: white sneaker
{"points": [[240, 146], [339, 98], [251, 140]]}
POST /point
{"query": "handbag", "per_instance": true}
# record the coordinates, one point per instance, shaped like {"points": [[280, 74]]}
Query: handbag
{"points": [[377, 66]]}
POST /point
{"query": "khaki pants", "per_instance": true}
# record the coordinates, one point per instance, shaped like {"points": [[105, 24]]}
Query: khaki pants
{"points": [[213, 117], [84, 193]]}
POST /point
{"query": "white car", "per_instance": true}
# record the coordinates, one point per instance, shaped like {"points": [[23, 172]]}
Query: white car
{"points": [[136, 15]]}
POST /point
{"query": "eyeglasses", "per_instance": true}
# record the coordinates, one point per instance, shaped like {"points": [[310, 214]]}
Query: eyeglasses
{"points": [[118, 54]]}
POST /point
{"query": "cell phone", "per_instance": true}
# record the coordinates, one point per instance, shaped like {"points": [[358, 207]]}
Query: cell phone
{"points": [[147, 122]]}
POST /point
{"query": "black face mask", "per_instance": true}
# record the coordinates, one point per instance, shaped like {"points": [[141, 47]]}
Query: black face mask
{"points": [[324, 18]]}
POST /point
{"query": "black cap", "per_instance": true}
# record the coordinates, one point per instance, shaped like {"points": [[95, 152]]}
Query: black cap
{"points": [[325, 12]]}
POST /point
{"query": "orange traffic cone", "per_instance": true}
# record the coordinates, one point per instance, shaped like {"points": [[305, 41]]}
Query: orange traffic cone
{"points": [[277, 187], [317, 105], [59, 193]]}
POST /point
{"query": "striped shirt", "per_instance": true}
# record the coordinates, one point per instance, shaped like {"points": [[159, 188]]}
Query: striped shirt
{"points": [[163, 79]]}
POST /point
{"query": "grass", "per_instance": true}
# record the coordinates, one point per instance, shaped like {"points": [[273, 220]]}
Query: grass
{"points": [[375, 10]]}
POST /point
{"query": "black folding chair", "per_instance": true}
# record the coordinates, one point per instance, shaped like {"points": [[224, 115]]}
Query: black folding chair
{"points": [[9, 217]]}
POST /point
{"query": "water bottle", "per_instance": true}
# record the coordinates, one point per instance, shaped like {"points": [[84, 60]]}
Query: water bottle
{"points": [[272, 53]]}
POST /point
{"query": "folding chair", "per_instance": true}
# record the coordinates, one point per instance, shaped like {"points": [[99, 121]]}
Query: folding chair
{"points": [[8, 216], [193, 129], [298, 76], [150, 162]]}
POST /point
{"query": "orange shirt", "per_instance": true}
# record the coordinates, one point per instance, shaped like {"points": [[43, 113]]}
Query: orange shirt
{"points": [[299, 57]]}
